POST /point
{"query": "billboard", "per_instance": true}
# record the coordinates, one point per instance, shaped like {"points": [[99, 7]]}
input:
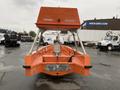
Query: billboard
{"points": [[95, 24]]}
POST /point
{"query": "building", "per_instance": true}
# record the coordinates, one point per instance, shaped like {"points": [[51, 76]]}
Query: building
{"points": [[95, 30], [102, 24]]}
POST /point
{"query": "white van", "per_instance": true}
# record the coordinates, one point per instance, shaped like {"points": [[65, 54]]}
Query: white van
{"points": [[50, 37], [110, 42]]}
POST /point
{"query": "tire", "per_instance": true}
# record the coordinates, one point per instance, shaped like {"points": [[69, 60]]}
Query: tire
{"points": [[18, 45], [109, 48], [6, 45]]}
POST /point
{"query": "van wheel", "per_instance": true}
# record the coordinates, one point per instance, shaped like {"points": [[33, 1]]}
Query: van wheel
{"points": [[109, 47]]}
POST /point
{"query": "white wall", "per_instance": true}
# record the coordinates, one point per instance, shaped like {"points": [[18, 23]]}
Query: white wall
{"points": [[93, 35]]}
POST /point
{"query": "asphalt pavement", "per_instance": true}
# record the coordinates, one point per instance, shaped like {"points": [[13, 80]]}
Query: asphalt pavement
{"points": [[105, 74]]}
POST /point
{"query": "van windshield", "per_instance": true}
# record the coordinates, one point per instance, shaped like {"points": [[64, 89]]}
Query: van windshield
{"points": [[108, 38]]}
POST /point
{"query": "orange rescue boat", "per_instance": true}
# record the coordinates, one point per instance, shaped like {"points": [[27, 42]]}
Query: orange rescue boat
{"points": [[57, 59]]}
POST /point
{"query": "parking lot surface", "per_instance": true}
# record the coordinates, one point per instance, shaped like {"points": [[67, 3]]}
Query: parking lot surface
{"points": [[105, 74]]}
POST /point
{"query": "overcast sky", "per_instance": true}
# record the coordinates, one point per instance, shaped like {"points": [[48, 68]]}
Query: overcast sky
{"points": [[22, 14]]}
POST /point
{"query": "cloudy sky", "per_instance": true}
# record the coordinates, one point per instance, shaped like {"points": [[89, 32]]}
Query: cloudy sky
{"points": [[22, 14]]}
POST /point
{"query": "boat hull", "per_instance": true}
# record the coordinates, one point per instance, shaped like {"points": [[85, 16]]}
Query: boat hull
{"points": [[44, 61]]}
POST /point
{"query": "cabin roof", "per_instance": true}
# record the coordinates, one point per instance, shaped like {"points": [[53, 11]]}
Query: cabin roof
{"points": [[57, 18]]}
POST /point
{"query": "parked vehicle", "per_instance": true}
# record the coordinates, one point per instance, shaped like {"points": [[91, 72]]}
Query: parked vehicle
{"points": [[49, 37], [2, 39], [71, 39], [65, 38], [110, 42], [11, 39], [26, 39]]}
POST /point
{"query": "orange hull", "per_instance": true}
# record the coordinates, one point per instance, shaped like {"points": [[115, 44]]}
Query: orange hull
{"points": [[45, 61]]}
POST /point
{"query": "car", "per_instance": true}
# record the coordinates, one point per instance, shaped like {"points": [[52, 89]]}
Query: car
{"points": [[2, 39], [26, 39], [11, 39]]}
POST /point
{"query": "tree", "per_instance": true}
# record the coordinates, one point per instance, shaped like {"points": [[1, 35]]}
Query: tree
{"points": [[32, 33]]}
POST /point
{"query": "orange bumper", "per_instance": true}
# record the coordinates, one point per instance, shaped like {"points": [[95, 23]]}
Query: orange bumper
{"points": [[77, 66]]}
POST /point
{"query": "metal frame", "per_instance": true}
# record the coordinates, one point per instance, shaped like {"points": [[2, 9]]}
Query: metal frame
{"points": [[73, 33], [82, 46], [39, 31], [84, 51]]}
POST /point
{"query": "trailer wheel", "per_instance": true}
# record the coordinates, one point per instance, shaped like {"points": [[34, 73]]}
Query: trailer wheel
{"points": [[109, 47]]}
